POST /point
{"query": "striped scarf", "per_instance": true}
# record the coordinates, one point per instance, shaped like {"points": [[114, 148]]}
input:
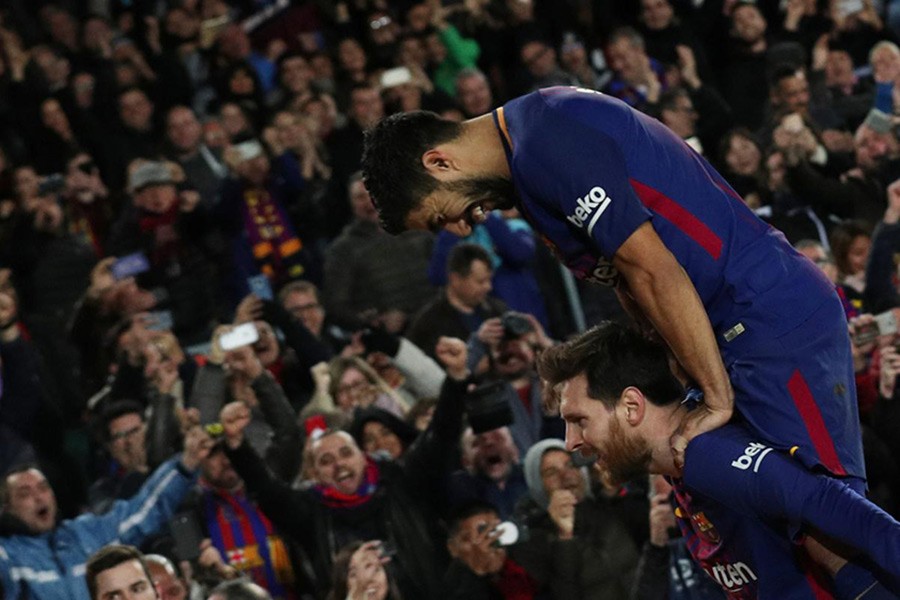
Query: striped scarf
{"points": [[247, 541], [275, 245]]}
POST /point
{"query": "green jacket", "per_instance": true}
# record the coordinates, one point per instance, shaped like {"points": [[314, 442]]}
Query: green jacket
{"points": [[462, 53]]}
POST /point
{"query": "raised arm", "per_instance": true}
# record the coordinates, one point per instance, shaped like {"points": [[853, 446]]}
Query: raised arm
{"points": [[667, 298]]}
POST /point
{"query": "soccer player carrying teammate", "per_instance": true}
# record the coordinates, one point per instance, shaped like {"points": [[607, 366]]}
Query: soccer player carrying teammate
{"points": [[623, 201], [741, 505]]}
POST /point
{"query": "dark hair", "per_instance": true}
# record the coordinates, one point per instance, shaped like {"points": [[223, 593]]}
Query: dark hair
{"points": [[240, 589], [341, 569], [466, 510], [783, 71], [841, 239], [462, 256], [108, 557], [668, 100], [392, 163], [725, 142], [113, 411], [612, 357]]}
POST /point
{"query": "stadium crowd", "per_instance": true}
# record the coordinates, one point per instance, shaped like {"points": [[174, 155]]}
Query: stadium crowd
{"points": [[173, 169]]}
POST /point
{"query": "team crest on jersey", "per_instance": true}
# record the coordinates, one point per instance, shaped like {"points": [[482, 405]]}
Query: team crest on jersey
{"points": [[704, 528]]}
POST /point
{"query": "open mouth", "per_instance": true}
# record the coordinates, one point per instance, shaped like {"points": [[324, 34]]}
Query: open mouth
{"points": [[493, 460], [343, 475], [43, 512]]}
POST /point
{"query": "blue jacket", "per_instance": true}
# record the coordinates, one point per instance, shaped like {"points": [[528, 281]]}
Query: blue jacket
{"points": [[52, 565]]}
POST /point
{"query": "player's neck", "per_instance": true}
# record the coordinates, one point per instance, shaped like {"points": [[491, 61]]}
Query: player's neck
{"points": [[483, 147], [660, 436]]}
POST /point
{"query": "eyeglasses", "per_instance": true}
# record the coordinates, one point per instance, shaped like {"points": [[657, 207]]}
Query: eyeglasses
{"points": [[121, 435], [380, 22], [353, 387]]}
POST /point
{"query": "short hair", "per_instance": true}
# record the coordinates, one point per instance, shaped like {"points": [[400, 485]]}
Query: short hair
{"points": [[392, 163], [668, 100], [627, 33], [303, 287], [240, 589], [108, 557], [784, 71], [612, 357], [461, 257], [466, 73], [113, 411], [465, 511]]}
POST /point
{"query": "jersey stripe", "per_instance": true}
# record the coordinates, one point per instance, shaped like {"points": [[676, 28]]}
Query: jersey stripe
{"points": [[815, 424], [673, 212]]}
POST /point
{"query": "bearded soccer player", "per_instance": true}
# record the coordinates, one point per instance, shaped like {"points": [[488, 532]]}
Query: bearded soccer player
{"points": [[623, 201]]}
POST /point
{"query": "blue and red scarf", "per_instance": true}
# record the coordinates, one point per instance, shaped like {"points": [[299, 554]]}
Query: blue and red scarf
{"points": [[247, 541], [335, 499]]}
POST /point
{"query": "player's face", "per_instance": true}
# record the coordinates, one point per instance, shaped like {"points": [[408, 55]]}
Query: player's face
{"points": [[459, 205], [592, 428]]}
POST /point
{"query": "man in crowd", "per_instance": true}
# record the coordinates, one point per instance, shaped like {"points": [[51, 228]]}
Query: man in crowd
{"points": [[119, 571], [491, 471], [741, 502], [41, 557], [461, 307]]}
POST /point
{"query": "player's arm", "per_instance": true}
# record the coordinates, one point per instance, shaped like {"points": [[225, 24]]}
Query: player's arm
{"points": [[756, 480], [666, 296]]}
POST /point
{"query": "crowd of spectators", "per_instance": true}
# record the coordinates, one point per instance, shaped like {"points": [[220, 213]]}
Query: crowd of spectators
{"points": [[172, 169]]}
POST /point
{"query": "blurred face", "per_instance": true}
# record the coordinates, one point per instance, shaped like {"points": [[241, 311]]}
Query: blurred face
{"points": [[418, 18], [491, 454], [233, 120], [241, 83], [182, 25], [266, 348], [156, 199], [838, 68], [748, 24], [377, 437], [435, 48], [338, 462], [216, 470], [53, 117], [366, 107], [657, 14], [135, 110], [628, 61], [26, 183], [858, 253], [295, 75], [558, 472], [354, 389], [472, 289], [474, 95], [872, 147], [743, 156], [362, 203], [125, 581], [351, 56], [255, 170], [96, 31], [166, 581], [183, 129], [31, 500], [818, 255], [885, 64], [591, 428], [127, 441], [539, 58], [234, 43], [681, 118], [776, 170], [305, 307], [412, 52], [366, 569], [515, 358], [471, 531], [792, 94]]}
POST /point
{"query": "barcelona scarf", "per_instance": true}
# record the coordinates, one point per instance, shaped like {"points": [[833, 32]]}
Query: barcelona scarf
{"points": [[275, 245], [335, 499], [247, 541]]}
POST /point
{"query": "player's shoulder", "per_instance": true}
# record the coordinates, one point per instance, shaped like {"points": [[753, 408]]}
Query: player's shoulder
{"points": [[562, 107]]}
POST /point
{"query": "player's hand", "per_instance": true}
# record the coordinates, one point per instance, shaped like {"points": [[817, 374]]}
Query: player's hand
{"points": [[700, 420]]}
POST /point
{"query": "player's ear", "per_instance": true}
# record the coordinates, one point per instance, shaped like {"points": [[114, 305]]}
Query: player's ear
{"points": [[437, 161], [632, 405]]}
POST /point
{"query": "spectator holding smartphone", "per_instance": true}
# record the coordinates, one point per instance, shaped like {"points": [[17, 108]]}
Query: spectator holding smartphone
{"points": [[361, 573]]}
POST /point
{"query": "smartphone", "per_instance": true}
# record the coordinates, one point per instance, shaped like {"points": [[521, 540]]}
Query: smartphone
{"points": [[887, 323], [160, 320], [185, 529], [865, 334], [394, 77], [509, 533], [260, 287], [242, 335], [130, 265], [51, 184]]}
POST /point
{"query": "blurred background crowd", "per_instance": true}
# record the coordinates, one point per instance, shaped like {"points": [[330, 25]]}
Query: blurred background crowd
{"points": [[171, 169]]}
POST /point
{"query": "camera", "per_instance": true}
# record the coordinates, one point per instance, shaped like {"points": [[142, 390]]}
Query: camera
{"points": [[515, 324], [487, 407]]}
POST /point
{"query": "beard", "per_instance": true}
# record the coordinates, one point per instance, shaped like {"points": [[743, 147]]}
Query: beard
{"points": [[496, 192], [625, 459]]}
